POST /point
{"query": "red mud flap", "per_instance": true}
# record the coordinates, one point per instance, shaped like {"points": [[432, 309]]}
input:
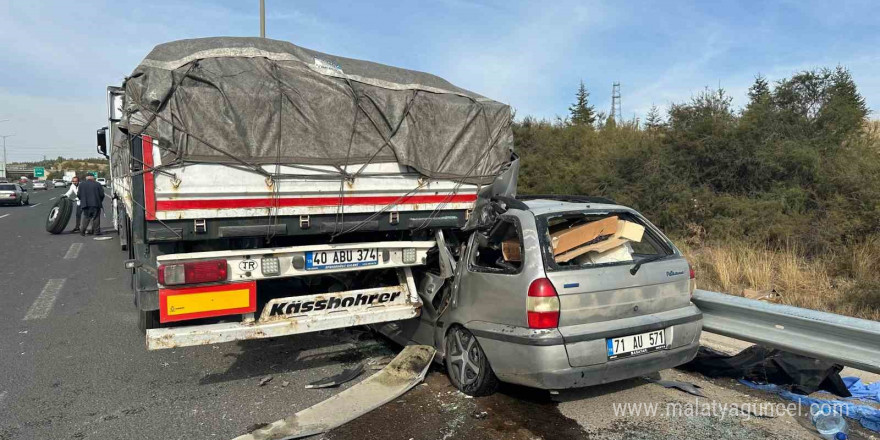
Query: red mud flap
{"points": [[404, 372]]}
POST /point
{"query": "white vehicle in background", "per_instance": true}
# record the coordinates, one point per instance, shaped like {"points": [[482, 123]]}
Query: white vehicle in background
{"points": [[40, 184], [59, 183], [102, 181]]}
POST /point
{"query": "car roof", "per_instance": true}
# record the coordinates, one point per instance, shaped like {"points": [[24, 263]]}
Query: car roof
{"points": [[548, 206]]}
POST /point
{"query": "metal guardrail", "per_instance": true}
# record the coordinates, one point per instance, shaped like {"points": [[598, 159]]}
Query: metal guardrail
{"points": [[848, 341]]}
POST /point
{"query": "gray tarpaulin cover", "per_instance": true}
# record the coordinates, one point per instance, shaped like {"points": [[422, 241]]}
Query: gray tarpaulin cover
{"points": [[265, 101]]}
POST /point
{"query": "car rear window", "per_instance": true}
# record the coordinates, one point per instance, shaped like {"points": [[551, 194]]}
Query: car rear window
{"points": [[579, 240], [7, 187]]}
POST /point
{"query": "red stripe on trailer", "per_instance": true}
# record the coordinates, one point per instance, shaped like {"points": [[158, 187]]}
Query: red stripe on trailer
{"points": [[178, 205], [149, 178]]}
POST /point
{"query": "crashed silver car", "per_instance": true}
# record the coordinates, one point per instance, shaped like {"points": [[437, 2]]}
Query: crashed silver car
{"points": [[558, 294]]}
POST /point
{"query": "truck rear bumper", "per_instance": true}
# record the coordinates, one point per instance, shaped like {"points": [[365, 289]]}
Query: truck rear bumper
{"points": [[302, 314], [238, 331]]}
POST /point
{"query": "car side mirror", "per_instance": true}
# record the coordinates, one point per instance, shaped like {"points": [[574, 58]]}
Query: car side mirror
{"points": [[102, 142]]}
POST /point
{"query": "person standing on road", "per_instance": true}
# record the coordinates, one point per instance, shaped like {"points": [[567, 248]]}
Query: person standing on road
{"points": [[91, 197], [72, 195]]}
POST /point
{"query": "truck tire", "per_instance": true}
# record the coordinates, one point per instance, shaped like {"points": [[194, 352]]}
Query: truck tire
{"points": [[59, 216], [467, 365], [147, 319]]}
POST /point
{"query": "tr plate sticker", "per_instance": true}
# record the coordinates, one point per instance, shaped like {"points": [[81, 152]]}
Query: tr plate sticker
{"points": [[248, 265]]}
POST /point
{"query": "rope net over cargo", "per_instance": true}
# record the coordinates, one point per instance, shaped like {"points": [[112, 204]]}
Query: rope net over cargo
{"points": [[257, 105]]}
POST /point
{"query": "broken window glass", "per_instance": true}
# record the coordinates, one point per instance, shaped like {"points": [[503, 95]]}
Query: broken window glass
{"points": [[589, 240], [500, 249]]}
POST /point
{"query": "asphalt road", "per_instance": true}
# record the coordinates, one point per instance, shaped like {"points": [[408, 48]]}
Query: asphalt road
{"points": [[75, 366]]}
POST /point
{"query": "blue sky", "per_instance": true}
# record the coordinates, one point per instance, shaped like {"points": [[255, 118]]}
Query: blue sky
{"points": [[57, 57]]}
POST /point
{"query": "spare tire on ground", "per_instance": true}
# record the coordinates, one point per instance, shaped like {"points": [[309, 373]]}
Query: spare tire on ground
{"points": [[59, 215]]}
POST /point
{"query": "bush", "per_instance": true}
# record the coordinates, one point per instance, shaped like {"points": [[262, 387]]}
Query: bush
{"points": [[799, 165]]}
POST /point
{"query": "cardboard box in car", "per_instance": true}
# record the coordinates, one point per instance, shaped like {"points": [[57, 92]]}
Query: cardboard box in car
{"points": [[511, 250], [626, 231], [568, 239]]}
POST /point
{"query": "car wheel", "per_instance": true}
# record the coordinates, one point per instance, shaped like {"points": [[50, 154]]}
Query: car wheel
{"points": [[147, 319], [467, 365]]}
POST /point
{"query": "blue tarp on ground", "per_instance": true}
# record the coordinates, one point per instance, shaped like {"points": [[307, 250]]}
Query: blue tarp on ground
{"points": [[861, 390], [867, 416]]}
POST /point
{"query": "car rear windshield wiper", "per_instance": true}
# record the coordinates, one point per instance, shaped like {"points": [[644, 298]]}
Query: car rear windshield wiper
{"points": [[638, 265]]}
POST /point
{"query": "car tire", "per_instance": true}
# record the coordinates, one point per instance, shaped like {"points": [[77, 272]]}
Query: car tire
{"points": [[59, 216], [147, 319], [467, 365]]}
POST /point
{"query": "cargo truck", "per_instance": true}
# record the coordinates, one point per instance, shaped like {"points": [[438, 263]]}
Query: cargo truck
{"points": [[262, 189]]}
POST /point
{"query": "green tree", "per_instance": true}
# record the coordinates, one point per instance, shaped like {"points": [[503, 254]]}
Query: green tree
{"points": [[759, 91], [582, 113], [653, 120]]}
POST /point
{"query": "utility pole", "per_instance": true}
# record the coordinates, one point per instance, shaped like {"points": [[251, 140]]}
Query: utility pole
{"points": [[616, 113], [262, 18], [4, 152]]}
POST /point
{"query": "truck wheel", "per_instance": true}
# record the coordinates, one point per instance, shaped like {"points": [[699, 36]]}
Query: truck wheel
{"points": [[148, 319], [466, 364], [59, 216]]}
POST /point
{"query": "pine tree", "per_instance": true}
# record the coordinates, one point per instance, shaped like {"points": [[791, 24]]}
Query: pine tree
{"points": [[582, 113], [760, 90], [653, 121]]}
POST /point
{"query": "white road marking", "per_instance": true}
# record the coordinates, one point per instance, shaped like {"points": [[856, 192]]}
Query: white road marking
{"points": [[53, 198], [4, 215], [38, 204], [73, 252], [43, 304], [2, 397]]}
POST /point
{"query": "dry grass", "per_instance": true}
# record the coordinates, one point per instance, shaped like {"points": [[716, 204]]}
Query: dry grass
{"points": [[847, 282]]}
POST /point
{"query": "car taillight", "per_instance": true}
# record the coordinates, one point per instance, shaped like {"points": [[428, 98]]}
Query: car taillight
{"points": [[542, 305], [193, 273], [693, 280]]}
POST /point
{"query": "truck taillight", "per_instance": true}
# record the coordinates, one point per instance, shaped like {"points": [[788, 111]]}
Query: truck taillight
{"points": [[542, 305], [193, 273]]}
